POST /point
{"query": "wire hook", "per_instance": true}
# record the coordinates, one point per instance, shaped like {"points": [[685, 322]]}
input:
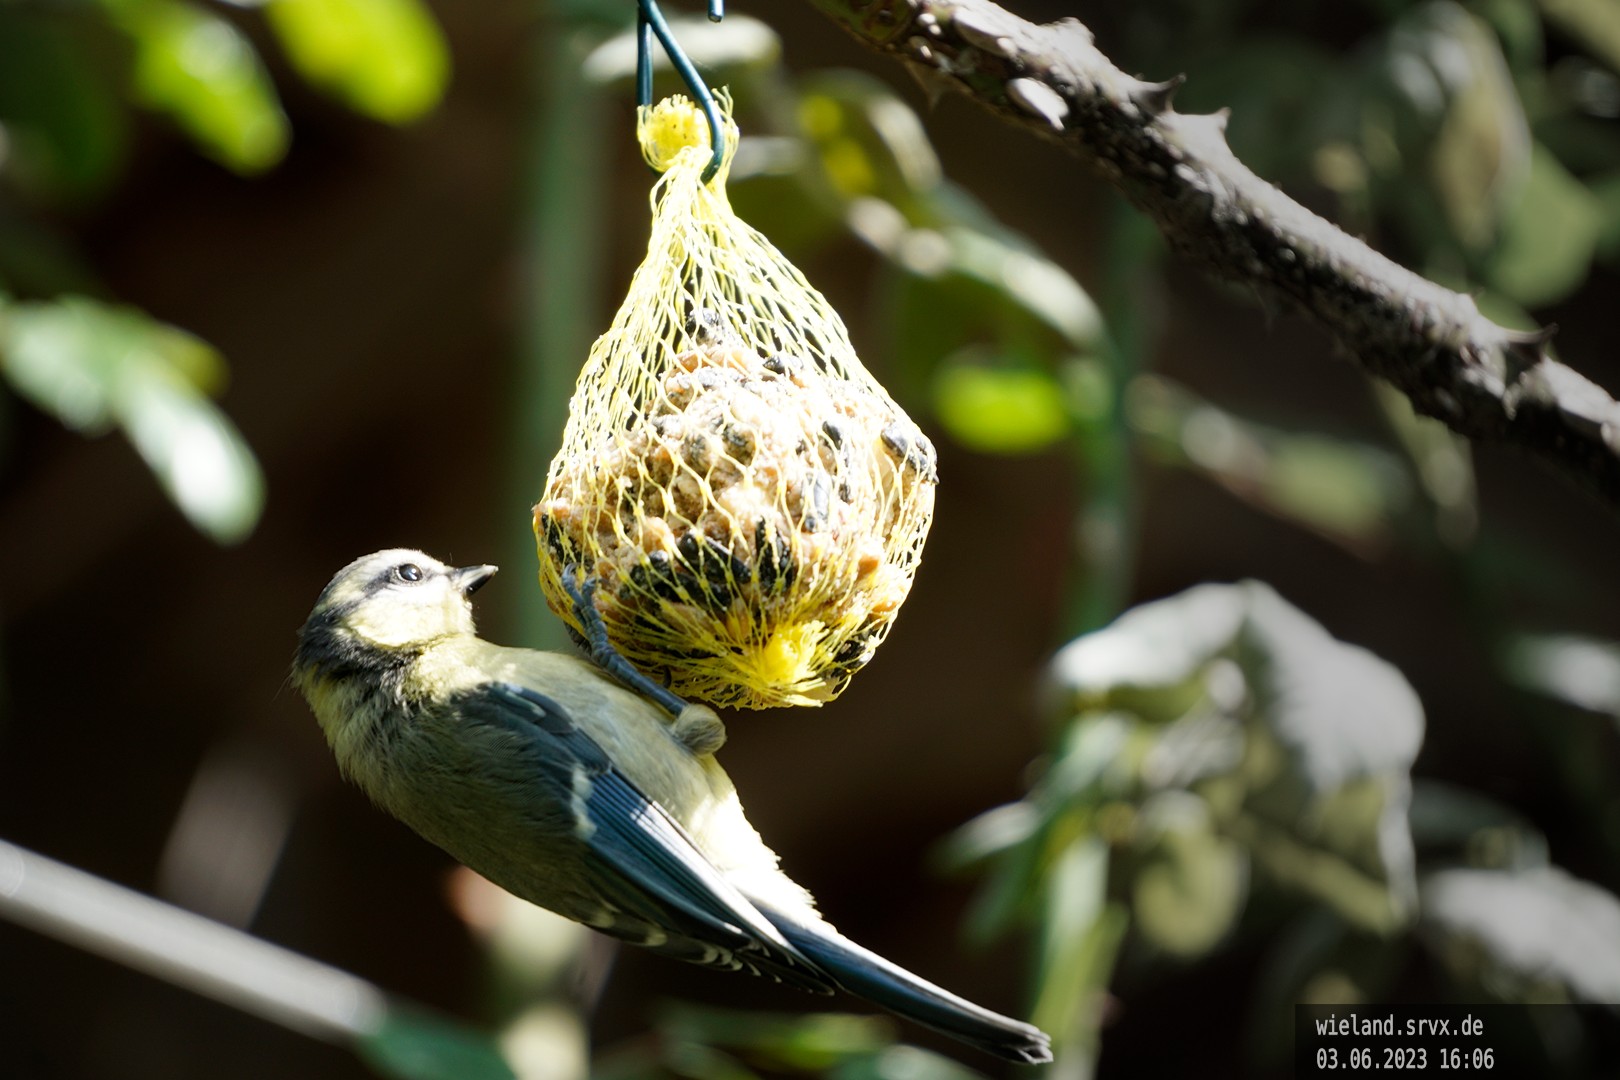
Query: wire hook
{"points": [[650, 24]]}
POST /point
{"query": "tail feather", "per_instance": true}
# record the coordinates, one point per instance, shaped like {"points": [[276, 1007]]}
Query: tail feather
{"points": [[868, 975]]}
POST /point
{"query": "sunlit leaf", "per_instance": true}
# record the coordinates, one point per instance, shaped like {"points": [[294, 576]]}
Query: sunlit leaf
{"points": [[412, 1044], [1160, 645], [92, 366], [385, 58], [1081, 932], [1307, 742], [1580, 671], [722, 50], [1549, 236], [1341, 712], [1595, 24], [204, 73], [63, 130], [1534, 934], [1000, 410]]}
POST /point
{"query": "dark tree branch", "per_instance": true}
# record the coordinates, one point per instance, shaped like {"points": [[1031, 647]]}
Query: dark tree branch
{"points": [[1484, 381]]}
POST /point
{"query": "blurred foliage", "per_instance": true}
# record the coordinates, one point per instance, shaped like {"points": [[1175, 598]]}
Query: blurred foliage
{"points": [[94, 366], [68, 77], [729, 1044]]}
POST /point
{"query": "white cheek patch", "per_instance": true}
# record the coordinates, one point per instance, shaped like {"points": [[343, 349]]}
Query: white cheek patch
{"points": [[400, 620]]}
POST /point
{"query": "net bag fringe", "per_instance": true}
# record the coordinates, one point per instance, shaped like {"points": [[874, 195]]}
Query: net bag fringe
{"points": [[749, 499]]}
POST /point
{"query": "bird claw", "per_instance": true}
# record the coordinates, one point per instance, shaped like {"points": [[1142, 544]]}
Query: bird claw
{"points": [[601, 650]]}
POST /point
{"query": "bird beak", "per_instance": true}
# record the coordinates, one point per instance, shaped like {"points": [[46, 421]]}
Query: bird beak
{"points": [[469, 579]]}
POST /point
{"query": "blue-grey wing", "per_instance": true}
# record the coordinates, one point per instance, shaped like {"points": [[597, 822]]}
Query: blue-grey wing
{"points": [[642, 864]]}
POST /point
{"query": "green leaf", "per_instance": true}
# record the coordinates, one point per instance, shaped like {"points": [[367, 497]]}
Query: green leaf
{"points": [[869, 141], [1594, 24], [1162, 645], [903, 1063], [1348, 492], [204, 73], [1606, 191], [1000, 410], [1529, 935], [1443, 461], [1277, 88], [412, 1044], [65, 130], [1549, 237], [724, 51], [385, 58], [1440, 100], [1301, 745], [1452, 825], [1579, 671], [92, 365], [1190, 883], [1081, 932], [800, 1043]]}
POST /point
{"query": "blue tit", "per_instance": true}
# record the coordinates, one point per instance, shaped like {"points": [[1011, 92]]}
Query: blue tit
{"points": [[545, 775]]}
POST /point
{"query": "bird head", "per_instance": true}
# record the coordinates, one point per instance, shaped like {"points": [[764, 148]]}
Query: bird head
{"points": [[388, 605]]}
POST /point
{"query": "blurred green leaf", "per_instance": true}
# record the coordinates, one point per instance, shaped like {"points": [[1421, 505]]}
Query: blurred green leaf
{"points": [[1342, 713], [1190, 883], [65, 132], [1163, 645], [1348, 492], [1594, 24], [1606, 193], [722, 50], [1081, 932], [795, 1042], [1317, 785], [1443, 461], [1481, 152], [93, 365], [1277, 88], [1452, 825], [412, 1044], [1000, 410], [1549, 236], [869, 141], [1518, 28], [1579, 671], [1439, 101], [203, 72], [903, 1063], [1529, 935], [384, 58]]}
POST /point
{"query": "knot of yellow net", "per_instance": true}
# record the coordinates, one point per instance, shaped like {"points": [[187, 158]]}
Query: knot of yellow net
{"points": [[676, 126]]}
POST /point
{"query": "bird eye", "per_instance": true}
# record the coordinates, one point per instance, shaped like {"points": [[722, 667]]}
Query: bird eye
{"points": [[408, 572]]}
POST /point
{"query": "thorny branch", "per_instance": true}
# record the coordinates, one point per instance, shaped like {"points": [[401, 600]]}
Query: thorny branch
{"points": [[1486, 382]]}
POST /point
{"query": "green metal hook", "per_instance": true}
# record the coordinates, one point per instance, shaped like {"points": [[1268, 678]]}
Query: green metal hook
{"points": [[650, 24]]}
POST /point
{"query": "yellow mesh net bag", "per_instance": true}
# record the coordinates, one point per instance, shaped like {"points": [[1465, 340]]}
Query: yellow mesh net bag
{"points": [[749, 499]]}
